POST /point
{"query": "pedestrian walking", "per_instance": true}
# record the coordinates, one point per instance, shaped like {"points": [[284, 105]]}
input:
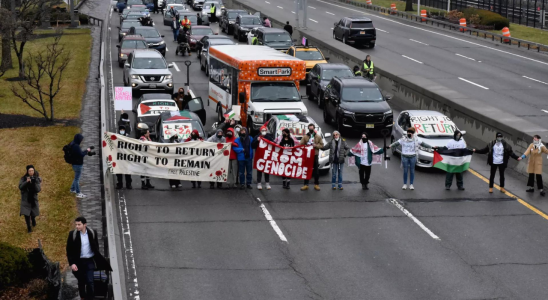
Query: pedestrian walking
{"points": [[337, 153], [175, 26], [218, 137], [267, 136], [77, 161], [366, 152], [30, 185], [145, 136], [266, 22], [368, 68], [173, 139], [409, 152], [84, 257], [244, 152], [313, 138], [456, 143], [498, 153], [288, 28], [122, 129], [534, 166], [232, 179], [286, 141], [195, 136]]}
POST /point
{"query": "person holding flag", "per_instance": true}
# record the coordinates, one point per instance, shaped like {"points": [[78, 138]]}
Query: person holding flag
{"points": [[366, 154], [534, 167], [454, 159]]}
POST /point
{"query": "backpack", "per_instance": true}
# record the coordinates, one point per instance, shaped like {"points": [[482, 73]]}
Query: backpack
{"points": [[68, 153]]}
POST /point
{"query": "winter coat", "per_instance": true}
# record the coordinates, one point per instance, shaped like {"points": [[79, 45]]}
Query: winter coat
{"points": [[76, 153], [240, 153], [508, 152], [535, 158], [195, 131], [289, 143], [215, 139], [232, 140], [30, 208], [256, 140], [318, 142], [74, 246], [343, 148]]}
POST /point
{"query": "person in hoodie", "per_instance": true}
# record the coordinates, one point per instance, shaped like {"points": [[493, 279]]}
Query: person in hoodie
{"points": [[124, 121], [366, 154], [244, 152], [456, 143], [195, 136], [232, 179], [174, 183], [267, 136], [77, 156], [534, 167], [30, 186], [288, 142], [498, 153], [122, 129], [217, 138]]}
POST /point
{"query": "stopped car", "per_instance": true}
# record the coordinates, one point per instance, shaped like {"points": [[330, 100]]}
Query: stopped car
{"points": [[311, 56], [153, 38], [244, 24], [123, 29], [131, 15], [298, 127], [276, 38], [180, 123], [128, 44], [132, 3], [197, 4], [431, 127], [356, 31], [228, 19], [204, 57], [320, 76], [197, 33], [200, 43], [355, 103], [147, 70], [149, 107], [206, 10], [182, 13]]}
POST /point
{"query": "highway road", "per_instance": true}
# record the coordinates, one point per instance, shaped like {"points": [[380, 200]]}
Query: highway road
{"points": [[508, 78], [384, 243]]}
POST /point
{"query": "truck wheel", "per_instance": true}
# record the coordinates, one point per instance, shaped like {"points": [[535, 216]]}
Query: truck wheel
{"points": [[371, 45]]}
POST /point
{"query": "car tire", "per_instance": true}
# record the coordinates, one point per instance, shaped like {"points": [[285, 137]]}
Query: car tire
{"points": [[344, 39], [320, 100], [206, 70], [326, 117], [371, 45]]}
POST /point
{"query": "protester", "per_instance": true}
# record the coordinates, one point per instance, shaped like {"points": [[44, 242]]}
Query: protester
{"points": [[267, 136], [237, 129], [155, 6], [213, 11], [175, 26], [195, 136], [288, 28], [174, 13], [145, 136], [244, 152], [173, 139], [84, 257], [456, 143], [266, 22], [286, 141], [199, 19], [357, 71], [409, 153], [30, 186], [119, 177], [498, 153], [534, 166], [124, 121], [313, 138], [338, 148], [217, 138], [365, 152], [233, 164], [77, 161]]}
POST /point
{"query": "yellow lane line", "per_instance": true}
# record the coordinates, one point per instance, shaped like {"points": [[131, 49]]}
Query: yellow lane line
{"points": [[523, 202]]}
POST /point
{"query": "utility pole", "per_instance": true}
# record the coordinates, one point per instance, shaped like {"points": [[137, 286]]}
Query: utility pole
{"points": [[305, 3], [297, 12], [419, 7], [73, 22]]}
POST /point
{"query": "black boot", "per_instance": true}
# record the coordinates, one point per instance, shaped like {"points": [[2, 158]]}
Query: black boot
{"points": [[27, 220], [119, 186], [33, 221], [219, 185], [143, 185], [212, 185], [199, 184], [285, 184], [193, 184], [129, 187], [530, 190], [150, 186]]}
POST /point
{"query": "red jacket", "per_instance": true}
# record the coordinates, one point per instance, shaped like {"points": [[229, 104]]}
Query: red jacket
{"points": [[231, 140], [195, 131]]}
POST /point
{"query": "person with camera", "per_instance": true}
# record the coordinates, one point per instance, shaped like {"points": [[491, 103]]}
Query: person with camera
{"points": [[30, 186], [77, 162]]}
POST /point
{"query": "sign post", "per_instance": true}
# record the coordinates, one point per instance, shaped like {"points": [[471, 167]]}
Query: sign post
{"points": [[385, 132], [187, 64]]}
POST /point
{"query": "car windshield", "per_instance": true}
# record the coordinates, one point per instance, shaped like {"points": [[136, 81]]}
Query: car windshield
{"points": [[147, 33], [202, 31], [281, 37], [362, 24], [328, 74], [309, 55], [357, 94], [149, 63], [233, 15], [134, 2], [274, 91], [127, 25], [134, 16], [251, 21], [134, 44]]}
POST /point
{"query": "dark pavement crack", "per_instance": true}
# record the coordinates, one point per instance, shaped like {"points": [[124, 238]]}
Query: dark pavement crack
{"points": [[511, 264], [214, 269], [293, 265]]}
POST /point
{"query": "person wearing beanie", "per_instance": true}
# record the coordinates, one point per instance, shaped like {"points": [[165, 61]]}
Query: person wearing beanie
{"points": [[409, 153], [30, 186], [122, 130], [456, 143], [124, 121], [217, 138], [286, 141], [534, 166], [232, 179], [498, 153], [338, 149], [267, 136]]}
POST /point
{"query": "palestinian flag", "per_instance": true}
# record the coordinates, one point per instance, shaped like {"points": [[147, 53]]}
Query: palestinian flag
{"points": [[230, 114], [452, 161], [180, 115], [291, 118]]}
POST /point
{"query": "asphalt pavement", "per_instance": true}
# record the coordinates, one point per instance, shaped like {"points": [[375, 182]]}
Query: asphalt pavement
{"points": [[384, 243]]}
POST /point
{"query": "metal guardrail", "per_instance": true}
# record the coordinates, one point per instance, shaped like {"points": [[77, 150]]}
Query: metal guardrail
{"points": [[477, 32]]}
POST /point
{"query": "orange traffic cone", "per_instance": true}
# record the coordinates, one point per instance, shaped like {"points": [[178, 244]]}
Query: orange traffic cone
{"points": [[393, 9], [506, 33], [368, 2], [423, 14], [463, 23]]}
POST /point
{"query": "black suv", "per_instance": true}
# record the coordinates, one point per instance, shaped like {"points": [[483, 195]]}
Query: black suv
{"points": [[228, 19], [357, 31], [276, 38], [320, 76], [356, 103], [244, 24]]}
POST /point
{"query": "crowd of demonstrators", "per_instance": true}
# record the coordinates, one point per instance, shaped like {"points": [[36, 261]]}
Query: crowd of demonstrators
{"points": [[244, 153], [286, 141], [534, 165], [77, 161], [218, 137], [313, 138], [267, 136], [30, 185], [195, 136], [364, 152], [456, 143], [337, 154], [145, 180]]}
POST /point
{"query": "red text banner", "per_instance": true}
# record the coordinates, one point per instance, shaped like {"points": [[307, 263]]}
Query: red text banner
{"points": [[296, 162]]}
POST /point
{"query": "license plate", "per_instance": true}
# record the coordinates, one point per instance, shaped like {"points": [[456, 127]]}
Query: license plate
{"points": [[152, 86], [369, 125], [362, 32]]}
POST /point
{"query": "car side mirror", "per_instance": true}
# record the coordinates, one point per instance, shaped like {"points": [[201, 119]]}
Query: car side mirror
{"points": [[162, 35], [117, 46], [241, 97], [170, 66], [463, 132], [118, 27], [388, 97], [327, 58]]}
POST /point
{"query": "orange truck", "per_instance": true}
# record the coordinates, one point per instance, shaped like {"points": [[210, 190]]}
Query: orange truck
{"points": [[252, 83]]}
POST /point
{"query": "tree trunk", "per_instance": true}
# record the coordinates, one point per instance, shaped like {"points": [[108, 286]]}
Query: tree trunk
{"points": [[7, 62], [409, 5]]}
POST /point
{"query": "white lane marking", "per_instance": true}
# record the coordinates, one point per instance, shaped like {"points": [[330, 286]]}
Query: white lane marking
{"points": [[176, 67], [329, 13], [267, 2], [133, 291], [544, 110], [410, 215], [292, 12], [420, 62], [311, 7], [191, 93], [272, 222], [440, 34], [465, 56], [412, 40], [279, 7], [382, 30], [313, 20], [481, 86], [535, 80], [331, 27]]}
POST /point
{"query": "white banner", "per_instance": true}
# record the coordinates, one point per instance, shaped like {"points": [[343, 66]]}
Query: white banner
{"points": [[196, 160]]}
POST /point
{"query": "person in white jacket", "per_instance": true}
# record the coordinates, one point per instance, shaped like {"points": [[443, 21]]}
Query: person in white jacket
{"points": [[456, 143]]}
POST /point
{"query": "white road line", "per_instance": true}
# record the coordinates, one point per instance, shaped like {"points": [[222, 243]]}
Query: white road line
{"points": [[133, 291], [420, 62], [267, 2], [272, 222], [418, 42], [176, 67], [311, 7], [292, 12], [465, 56], [382, 30], [440, 34], [544, 110], [313, 20], [279, 7], [407, 213], [535, 80], [329, 13], [470, 82]]}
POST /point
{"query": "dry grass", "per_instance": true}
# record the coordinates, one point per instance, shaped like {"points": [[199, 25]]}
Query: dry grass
{"points": [[68, 102], [41, 147]]}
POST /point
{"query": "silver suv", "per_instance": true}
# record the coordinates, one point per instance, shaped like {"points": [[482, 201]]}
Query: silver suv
{"points": [[146, 69]]}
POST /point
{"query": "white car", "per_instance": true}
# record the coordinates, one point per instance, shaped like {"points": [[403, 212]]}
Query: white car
{"points": [[250, 36]]}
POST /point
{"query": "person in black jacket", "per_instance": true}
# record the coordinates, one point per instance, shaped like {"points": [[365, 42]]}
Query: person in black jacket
{"points": [[286, 141], [498, 153], [288, 28], [267, 136], [77, 157], [30, 186], [84, 257], [123, 130]]}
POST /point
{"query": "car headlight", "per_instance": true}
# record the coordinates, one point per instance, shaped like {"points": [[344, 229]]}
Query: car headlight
{"points": [[324, 153], [161, 43], [134, 76], [430, 150], [230, 22], [388, 112], [346, 112], [169, 76], [258, 117], [122, 55], [123, 33]]}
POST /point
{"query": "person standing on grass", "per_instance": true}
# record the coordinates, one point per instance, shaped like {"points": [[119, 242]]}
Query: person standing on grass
{"points": [[77, 157], [263, 135], [287, 142], [313, 138], [233, 164], [217, 138], [534, 167], [364, 152], [30, 186], [338, 149], [244, 152]]}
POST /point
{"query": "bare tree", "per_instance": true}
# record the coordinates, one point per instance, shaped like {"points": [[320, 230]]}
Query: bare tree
{"points": [[43, 78]]}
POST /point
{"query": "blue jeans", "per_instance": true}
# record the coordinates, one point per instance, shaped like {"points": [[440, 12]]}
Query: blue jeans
{"points": [[246, 167], [336, 168], [408, 166], [175, 34], [76, 182]]}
